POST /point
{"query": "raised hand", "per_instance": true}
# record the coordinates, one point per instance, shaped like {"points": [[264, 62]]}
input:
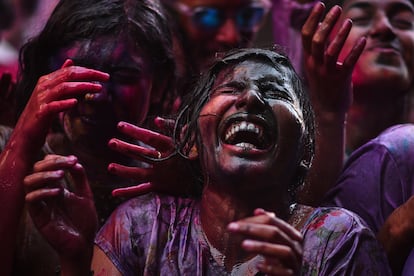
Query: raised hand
{"points": [[278, 242], [328, 78], [64, 215], [57, 92], [330, 88], [165, 174]]}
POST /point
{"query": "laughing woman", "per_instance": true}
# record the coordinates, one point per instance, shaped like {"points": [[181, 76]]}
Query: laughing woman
{"points": [[252, 126]]}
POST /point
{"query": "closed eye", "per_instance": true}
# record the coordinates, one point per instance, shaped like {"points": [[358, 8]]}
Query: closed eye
{"points": [[277, 95], [227, 90], [233, 87], [403, 24], [270, 90], [361, 20]]}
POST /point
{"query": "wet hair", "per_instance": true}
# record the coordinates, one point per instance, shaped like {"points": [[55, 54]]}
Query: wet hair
{"points": [[143, 21], [188, 118]]}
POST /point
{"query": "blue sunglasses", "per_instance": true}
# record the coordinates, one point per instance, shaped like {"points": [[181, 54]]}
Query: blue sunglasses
{"points": [[210, 18]]}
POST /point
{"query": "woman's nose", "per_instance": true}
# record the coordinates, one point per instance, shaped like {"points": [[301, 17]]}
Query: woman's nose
{"points": [[382, 27], [251, 99], [229, 34]]}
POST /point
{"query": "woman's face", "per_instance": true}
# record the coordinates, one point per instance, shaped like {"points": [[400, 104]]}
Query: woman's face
{"points": [[387, 61], [125, 97], [252, 126]]}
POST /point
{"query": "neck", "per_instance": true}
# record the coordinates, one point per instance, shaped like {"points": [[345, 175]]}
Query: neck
{"points": [[220, 207], [368, 118]]}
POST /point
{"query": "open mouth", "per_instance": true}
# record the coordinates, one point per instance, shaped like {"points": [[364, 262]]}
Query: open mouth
{"points": [[248, 133]]}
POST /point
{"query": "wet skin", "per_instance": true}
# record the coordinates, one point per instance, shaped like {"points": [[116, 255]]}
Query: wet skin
{"points": [[251, 128], [387, 62], [125, 97]]}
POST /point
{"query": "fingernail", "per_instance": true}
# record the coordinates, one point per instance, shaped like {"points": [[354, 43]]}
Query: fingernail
{"points": [[233, 226], [59, 173], [72, 158], [111, 168], [248, 243], [112, 143]]}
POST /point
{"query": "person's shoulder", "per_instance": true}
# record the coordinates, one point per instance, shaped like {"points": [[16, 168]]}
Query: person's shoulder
{"points": [[395, 145], [335, 219], [337, 241], [333, 229], [397, 139]]}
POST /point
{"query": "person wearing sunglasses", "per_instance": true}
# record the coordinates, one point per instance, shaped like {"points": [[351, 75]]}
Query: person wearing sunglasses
{"points": [[207, 27]]}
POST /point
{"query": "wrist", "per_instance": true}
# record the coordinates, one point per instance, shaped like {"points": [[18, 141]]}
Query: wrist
{"points": [[331, 118]]}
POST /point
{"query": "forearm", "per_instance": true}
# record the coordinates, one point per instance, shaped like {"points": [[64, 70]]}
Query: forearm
{"points": [[396, 236], [16, 161], [328, 160]]}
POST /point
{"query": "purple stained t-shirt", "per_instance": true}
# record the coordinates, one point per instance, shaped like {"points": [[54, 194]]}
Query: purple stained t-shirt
{"points": [[378, 178], [162, 235]]}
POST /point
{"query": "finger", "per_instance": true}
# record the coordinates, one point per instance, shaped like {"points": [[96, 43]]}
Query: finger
{"points": [[274, 253], [67, 63], [133, 151], [165, 125], [267, 227], [355, 53], [55, 107], [320, 39], [137, 190], [54, 162], [67, 90], [151, 138], [291, 231], [310, 26], [43, 194], [72, 73], [39, 180], [260, 232], [334, 49], [79, 181], [141, 175]]}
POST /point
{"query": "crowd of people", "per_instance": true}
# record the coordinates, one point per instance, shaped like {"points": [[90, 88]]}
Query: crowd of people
{"points": [[151, 137]]}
